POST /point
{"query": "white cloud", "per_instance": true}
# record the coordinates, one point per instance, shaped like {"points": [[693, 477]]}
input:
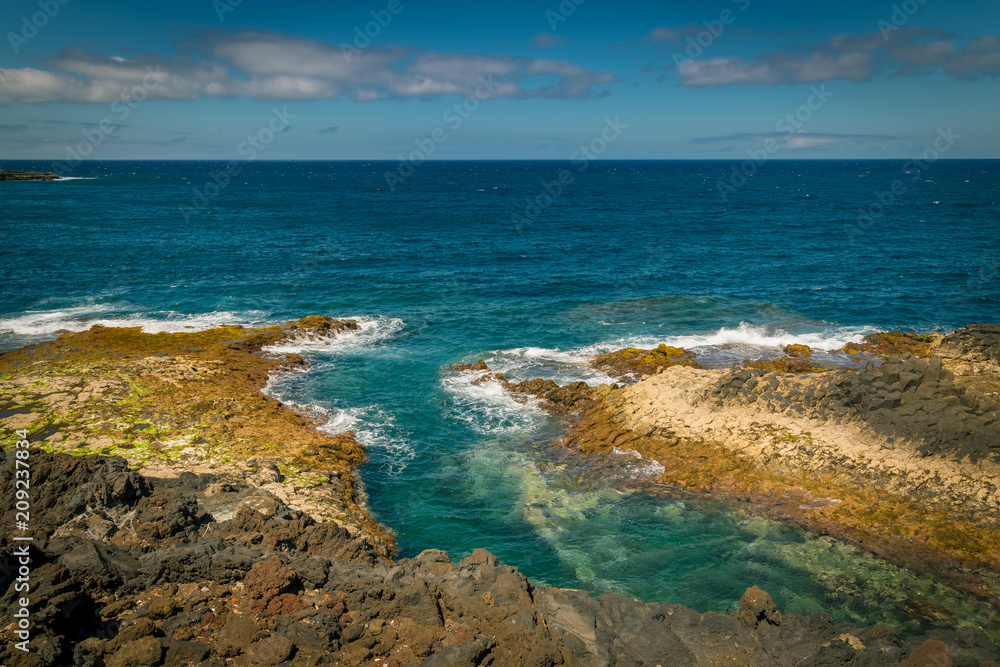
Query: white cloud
{"points": [[856, 58], [275, 66]]}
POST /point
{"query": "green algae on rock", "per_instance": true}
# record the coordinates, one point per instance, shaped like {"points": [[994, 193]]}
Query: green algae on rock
{"points": [[887, 344], [171, 402], [636, 362]]}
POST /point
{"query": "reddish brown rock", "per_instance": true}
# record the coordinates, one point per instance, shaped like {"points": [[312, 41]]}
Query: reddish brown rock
{"points": [[932, 653], [285, 604], [758, 608], [270, 578]]}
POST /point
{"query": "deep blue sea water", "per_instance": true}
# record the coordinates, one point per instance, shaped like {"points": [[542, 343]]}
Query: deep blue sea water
{"points": [[631, 253]]}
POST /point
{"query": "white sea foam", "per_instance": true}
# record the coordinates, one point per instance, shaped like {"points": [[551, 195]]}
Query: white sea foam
{"points": [[373, 426], [81, 318], [553, 364], [373, 330], [377, 431], [744, 334], [487, 407], [637, 466]]}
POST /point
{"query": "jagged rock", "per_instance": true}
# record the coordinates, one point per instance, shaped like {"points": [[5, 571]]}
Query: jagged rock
{"points": [[270, 578], [979, 342], [757, 609]]}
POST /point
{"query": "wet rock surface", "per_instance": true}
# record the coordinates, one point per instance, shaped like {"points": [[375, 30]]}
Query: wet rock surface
{"points": [[893, 343], [271, 586]]}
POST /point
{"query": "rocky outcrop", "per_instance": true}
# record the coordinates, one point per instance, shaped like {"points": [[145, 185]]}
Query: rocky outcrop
{"points": [[137, 572], [892, 343], [12, 175], [243, 540], [976, 342], [900, 458], [190, 402], [905, 399], [632, 363], [797, 359]]}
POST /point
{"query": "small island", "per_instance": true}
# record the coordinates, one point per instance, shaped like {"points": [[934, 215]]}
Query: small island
{"points": [[13, 175]]}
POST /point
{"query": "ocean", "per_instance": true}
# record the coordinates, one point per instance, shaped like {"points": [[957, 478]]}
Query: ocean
{"points": [[507, 262]]}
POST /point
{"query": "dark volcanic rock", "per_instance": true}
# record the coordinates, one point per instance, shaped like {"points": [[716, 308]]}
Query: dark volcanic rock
{"points": [[976, 341], [906, 398], [285, 590]]}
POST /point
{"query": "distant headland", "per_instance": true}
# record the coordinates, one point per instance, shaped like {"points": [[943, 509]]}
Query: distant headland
{"points": [[11, 175]]}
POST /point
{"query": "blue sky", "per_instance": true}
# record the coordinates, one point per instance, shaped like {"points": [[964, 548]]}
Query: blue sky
{"points": [[376, 79]]}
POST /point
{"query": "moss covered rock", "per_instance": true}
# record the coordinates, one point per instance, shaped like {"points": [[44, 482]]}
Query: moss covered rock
{"points": [[637, 362]]}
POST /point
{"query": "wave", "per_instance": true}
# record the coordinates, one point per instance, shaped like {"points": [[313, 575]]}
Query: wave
{"points": [[524, 363], [373, 330], [80, 318], [638, 467], [374, 427], [745, 334], [488, 408]]}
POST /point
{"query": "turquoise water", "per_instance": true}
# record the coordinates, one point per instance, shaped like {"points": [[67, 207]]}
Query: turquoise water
{"points": [[634, 253]]}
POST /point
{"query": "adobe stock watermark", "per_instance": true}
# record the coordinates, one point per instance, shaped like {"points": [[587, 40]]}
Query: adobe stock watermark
{"points": [[37, 21], [104, 129], [223, 7], [363, 35], [714, 29], [900, 16], [562, 13], [454, 117], [913, 170], [581, 158], [248, 151], [789, 125]]}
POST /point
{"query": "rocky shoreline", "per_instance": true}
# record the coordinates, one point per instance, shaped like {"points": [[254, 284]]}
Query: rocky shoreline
{"points": [[183, 518], [902, 459], [13, 175]]}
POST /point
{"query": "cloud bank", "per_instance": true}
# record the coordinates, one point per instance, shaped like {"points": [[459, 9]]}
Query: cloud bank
{"points": [[910, 51], [273, 66]]}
